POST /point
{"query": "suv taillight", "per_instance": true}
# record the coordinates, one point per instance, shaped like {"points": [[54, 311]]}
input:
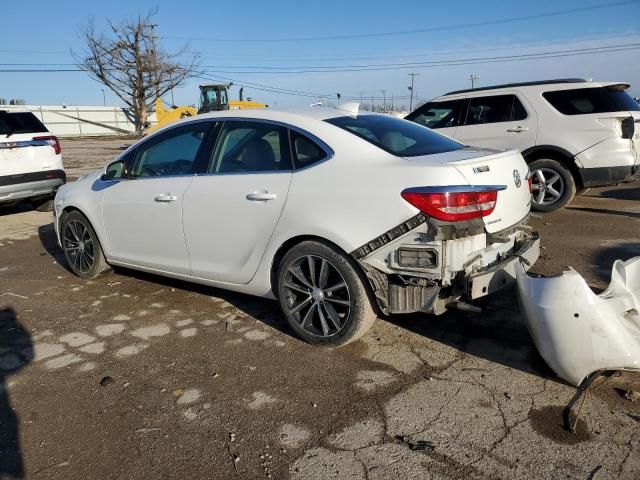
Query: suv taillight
{"points": [[628, 127], [53, 141], [453, 205]]}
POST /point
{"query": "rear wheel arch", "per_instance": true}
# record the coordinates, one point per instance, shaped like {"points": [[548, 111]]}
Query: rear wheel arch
{"points": [[555, 153], [292, 242]]}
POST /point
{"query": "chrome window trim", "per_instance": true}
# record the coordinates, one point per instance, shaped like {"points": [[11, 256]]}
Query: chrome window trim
{"points": [[329, 152]]}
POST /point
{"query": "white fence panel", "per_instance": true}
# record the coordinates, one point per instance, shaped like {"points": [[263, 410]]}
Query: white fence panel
{"points": [[82, 121]]}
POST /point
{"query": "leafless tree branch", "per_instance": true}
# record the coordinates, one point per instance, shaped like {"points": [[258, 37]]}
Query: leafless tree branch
{"points": [[129, 61]]}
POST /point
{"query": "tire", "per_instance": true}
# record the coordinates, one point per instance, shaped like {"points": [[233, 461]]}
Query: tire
{"points": [[559, 185], [315, 309], [81, 247]]}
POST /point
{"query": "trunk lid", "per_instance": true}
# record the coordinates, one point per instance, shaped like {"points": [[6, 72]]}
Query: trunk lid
{"points": [[487, 167]]}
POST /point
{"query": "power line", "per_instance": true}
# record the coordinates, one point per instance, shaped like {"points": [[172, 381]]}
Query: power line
{"points": [[420, 30], [427, 64], [388, 66]]}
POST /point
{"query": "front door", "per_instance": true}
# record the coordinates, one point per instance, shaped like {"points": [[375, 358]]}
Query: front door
{"points": [[231, 211], [142, 211]]}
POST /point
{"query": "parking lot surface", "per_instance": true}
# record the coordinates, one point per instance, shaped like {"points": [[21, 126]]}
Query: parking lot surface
{"points": [[137, 376]]}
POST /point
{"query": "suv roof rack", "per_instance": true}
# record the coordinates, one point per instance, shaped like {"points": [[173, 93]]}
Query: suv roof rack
{"points": [[521, 84]]}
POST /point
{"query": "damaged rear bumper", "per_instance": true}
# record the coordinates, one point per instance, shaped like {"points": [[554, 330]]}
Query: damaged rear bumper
{"points": [[578, 332]]}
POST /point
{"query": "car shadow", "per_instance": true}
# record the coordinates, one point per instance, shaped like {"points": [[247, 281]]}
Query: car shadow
{"points": [[47, 236], [602, 259], [620, 213], [497, 334], [620, 193], [15, 208], [16, 351]]}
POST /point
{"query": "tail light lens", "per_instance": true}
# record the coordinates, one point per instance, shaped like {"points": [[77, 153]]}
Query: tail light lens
{"points": [[454, 205], [628, 127], [53, 141]]}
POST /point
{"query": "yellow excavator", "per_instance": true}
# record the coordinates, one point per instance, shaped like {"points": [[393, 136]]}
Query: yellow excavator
{"points": [[213, 98]]}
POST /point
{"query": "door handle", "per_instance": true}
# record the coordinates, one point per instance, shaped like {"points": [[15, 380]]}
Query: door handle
{"points": [[517, 129], [261, 196], [165, 198]]}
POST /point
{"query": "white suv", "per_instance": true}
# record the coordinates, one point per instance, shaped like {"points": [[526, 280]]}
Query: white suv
{"points": [[30, 159], [574, 134]]}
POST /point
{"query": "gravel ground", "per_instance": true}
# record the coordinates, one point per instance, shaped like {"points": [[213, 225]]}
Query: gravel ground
{"points": [[137, 376]]}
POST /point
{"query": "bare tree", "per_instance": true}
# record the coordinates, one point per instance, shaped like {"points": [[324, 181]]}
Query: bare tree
{"points": [[131, 64]]}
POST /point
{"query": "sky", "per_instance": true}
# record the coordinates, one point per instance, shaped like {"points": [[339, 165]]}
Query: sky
{"points": [[285, 46]]}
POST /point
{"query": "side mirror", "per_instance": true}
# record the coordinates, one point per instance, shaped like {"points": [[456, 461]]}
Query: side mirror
{"points": [[113, 171]]}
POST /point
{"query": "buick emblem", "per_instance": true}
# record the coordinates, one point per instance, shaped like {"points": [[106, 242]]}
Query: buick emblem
{"points": [[516, 178]]}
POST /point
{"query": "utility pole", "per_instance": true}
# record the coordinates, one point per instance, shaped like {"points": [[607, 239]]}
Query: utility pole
{"points": [[412, 75], [104, 99], [384, 101], [392, 107], [373, 108], [473, 77]]}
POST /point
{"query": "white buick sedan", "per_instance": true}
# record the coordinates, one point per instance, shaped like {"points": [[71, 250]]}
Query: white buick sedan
{"points": [[336, 214]]}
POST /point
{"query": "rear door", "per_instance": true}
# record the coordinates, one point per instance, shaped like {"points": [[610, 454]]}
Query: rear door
{"points": [[19, 152], [231, 211], [444, 116], [503, 122]]}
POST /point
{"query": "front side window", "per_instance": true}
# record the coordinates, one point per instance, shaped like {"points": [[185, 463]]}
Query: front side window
{"points": [[170, 153], [438, 114], [250, 147], [582, 101], [495, 109], [305, 151], [396, 136]]}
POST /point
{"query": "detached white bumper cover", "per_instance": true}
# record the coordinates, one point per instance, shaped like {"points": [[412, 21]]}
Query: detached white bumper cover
{"points": [[578, 332]]}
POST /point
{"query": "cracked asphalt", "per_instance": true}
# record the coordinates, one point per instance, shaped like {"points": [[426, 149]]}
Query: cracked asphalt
{"points": [[137, 376]]}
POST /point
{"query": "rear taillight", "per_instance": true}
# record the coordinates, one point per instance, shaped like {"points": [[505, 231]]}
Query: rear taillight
{"points": [[628, 127], [530, 181], [454, 204], [51, 140]]}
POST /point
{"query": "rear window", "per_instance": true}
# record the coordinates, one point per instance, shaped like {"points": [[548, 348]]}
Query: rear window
{"points": [[20, 122], [582, 101], [396, 136]]}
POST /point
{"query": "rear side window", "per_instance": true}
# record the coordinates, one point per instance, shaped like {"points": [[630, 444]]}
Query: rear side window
{"points": [[245, 146], [439, 114], [495, 109], [396, 136], [305, 151], [582, 101], [20, 122]]}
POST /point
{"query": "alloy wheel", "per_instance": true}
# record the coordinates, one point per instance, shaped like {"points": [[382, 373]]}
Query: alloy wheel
{"points": [[547, 186], [78, 246], [317, 296]]}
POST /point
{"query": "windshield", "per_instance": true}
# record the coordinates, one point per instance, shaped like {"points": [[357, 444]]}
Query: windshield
{"points": [[396, 136], [20, 122], [582, 101]]}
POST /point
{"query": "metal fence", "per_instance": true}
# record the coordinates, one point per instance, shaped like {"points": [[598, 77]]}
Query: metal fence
{"points": [[82, 121]]}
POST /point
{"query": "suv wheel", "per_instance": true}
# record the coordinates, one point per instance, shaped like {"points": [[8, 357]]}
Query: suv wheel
{"points": [[81, 246], [323, 295], [552, 187]]}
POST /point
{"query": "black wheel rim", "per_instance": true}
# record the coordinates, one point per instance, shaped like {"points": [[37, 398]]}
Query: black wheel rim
{"points": [[78, 246], [316, 296]]}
